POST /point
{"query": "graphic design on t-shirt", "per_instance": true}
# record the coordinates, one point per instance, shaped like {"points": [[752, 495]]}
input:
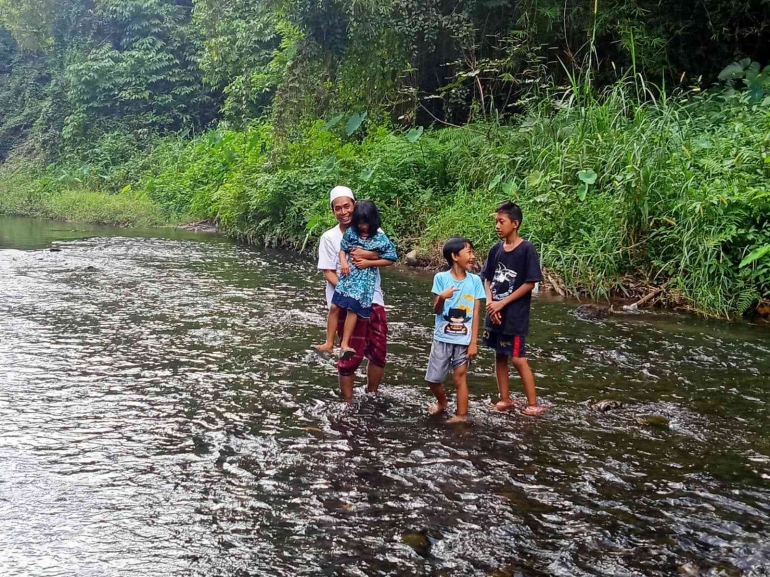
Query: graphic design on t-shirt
{"points": [[502, 282], [456, 319]]}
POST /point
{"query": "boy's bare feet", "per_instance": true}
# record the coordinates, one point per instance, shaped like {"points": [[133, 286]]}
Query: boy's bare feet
{"points": [[532, 410], [436, 409], [457, 419], [503, 405], [323, 348], [347, 353]]}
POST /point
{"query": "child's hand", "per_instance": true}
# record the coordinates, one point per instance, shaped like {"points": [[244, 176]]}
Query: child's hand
{"points": [[345, 267], [473, 350], [449, 292], [494, 307]]}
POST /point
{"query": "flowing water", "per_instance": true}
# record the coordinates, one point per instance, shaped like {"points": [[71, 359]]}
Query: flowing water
{"points": [[160, 414]]}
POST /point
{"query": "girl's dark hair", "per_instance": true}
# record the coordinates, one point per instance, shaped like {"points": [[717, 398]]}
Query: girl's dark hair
{"points": [[366, 212], [511, 209], [453, 246]]}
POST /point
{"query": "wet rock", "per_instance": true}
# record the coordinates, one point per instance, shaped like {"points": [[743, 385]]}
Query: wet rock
{"points": [[90, 269], [412, 258], [654, 421], [54, 249], [606, 405], [420, 541], [689, 570], [591, 312]]}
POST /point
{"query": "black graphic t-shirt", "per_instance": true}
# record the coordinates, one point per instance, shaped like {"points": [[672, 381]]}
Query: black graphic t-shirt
{"points": [[507, 271]]}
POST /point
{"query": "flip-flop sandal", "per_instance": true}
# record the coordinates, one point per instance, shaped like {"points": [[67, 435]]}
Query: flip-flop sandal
{"points": [[532, 410], [346, 354]]}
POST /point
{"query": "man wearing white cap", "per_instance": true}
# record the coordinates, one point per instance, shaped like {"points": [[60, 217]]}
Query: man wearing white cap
{"points": [[370, 338]]}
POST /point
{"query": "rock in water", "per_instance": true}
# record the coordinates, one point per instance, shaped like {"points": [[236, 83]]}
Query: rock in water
{"points": [[591, 312], [54, 249], [654, 421], [606, 405], [417, 541], [411, 258]]}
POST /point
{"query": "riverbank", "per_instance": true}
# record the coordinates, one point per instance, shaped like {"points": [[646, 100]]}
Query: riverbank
{"points": [[615, 194], [24, 194]]}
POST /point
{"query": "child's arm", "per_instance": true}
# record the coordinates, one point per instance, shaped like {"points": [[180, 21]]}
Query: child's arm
{"points": [[344, 266], [473, 347], [497, 306], [494, 316], [440, 298]]}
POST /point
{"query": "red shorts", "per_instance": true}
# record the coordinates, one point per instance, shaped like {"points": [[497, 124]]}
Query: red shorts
{"points": [[369, 339]]}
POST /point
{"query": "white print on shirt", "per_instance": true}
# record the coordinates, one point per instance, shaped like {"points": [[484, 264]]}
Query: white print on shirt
{"points": [[502, 282]]}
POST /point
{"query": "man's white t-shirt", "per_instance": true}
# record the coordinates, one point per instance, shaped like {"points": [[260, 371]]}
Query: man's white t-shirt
{"points": [[329, 259]]}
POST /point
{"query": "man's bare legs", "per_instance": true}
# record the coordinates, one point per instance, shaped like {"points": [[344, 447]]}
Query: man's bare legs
{"points": [[331, 328], [374, 376]]}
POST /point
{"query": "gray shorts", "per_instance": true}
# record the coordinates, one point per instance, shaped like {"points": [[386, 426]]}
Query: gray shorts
{"points": [[444, 356]]}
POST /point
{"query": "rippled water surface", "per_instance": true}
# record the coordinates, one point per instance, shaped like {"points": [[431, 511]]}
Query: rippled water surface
{"points": [[160, 415]]}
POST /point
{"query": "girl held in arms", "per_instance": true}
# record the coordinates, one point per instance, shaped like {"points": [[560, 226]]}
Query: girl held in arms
{"points": [[355, 289]]}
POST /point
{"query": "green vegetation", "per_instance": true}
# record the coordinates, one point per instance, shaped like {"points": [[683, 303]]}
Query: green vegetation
{"points": [[152, 111]]}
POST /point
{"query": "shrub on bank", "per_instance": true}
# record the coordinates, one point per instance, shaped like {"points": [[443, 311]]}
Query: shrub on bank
{"points": [[609, 187]]}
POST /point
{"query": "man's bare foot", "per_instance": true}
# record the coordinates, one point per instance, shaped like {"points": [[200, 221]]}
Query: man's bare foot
{"points": [[346, 353], [503, 405], [457, 419], [532, 410], [436, 409], [323, 348]]}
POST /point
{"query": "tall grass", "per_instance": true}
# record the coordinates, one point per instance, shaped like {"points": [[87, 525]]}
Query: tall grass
{"points": [[611, 185]]}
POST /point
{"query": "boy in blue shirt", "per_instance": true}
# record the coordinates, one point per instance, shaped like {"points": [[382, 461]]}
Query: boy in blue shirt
{"points": [[456, 296]]}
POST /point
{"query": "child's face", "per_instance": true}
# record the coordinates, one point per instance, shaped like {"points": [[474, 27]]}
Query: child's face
{"points": [[504, 226], [466, 258]]}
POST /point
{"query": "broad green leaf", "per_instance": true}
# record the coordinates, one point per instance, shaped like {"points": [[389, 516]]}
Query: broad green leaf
{"points": [[534, 178], [732, 72], [331, 123], [508, 187], [366, 173], [587, 176], [582, 191], [754, 255], [495, 181], [752, 71], [414, 134], [354, 122], [756, 93]]}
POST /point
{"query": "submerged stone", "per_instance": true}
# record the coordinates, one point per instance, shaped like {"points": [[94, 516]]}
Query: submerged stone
{"points": [[606, 405], [655, 421], [421, 541], [591, 312]]}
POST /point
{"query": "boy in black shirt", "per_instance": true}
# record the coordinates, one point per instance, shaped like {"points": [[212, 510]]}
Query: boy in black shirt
{"points": [[510, 274]]}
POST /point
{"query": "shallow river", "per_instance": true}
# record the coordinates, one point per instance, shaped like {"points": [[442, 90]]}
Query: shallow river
{"points": [[160, 414]]}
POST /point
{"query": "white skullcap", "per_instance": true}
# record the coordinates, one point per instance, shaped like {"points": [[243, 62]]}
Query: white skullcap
{"points": [[340, 192]]}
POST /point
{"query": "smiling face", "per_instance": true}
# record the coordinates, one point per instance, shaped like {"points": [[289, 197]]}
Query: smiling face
{"points": [[343, 210], [466, 258]]}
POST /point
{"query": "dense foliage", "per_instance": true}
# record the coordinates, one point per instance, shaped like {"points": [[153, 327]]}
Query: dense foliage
{"points": [[592, 115]]}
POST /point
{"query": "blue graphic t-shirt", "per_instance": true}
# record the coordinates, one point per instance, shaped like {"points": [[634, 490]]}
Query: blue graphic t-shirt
{"points": [[455, 323]]}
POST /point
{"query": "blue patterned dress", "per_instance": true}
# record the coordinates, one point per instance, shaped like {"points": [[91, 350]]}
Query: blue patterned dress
{"points": [[355, 291]]}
